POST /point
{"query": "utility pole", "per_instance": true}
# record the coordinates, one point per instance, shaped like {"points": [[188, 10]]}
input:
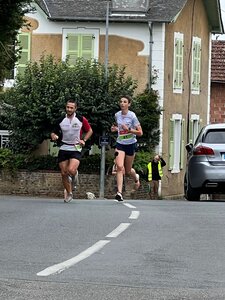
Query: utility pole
{"points": [[103, 144]]}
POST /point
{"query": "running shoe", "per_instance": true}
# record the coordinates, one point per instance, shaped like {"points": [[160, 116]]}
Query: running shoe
{"points": [[69, 198], [119, 196]]}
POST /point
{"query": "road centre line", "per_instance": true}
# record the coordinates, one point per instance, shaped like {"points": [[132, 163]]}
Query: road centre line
{"points": [[134, 214], [58, 268], [118, 230], [129, 205]]}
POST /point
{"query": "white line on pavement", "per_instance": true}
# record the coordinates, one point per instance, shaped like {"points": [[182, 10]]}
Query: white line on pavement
{"points": [[129, 205], [134, 214], [118, 230], [58, 268]]}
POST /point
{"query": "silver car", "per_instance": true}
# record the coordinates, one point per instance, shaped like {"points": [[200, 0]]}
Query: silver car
{"points": [[205, 171]]}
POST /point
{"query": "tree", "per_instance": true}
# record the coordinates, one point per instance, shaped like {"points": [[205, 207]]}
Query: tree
{"points": [[39, 98], [148, 110], [30, 109], [11, 20]]}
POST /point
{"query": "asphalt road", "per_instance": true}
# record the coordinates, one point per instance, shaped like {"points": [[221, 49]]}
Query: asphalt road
{"points": [[101, 249]]}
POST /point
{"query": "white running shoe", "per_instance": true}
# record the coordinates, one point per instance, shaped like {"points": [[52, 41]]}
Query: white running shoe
{"points": [[69, 198], [119, 196]]}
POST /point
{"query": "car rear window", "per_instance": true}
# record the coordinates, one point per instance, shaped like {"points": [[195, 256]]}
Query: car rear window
{"points": [[215, 137]]}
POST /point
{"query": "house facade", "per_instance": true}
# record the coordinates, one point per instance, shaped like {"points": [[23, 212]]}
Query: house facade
{"points": [[171, 36]]}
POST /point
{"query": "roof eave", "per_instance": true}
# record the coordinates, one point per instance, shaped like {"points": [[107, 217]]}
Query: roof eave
{"points": [[99, 19], [218, 81], [214, 16]]}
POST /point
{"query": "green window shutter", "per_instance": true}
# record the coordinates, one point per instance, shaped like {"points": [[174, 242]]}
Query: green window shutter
{"points": [[72, 48], [79, 45], [191, 131], [196, 66], [171, 144], [182, 150], [178, 64], [87, 48], [24, 42]]}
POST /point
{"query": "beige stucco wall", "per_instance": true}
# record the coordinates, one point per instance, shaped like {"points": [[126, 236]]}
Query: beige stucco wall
{"points": [[45, 44], [178, 103], [124, 51]]}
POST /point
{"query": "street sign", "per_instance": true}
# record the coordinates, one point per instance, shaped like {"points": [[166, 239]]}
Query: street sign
{"points": [[104, 140]]}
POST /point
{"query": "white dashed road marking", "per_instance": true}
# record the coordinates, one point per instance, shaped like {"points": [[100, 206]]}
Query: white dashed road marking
{"points": [[118, 230], [134, 214], [58, 268], [129, 205]]}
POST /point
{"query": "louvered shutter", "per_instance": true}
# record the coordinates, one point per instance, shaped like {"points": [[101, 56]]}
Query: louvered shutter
{"points": [[24, 43], [87, 48], [171, 144], [191, 131], [196, 65], [72, 48], [182, 148], [79, 45], [178, 64]]}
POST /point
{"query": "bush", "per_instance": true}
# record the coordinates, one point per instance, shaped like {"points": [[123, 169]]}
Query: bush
{"points": [[39, 97], [88, 165]]}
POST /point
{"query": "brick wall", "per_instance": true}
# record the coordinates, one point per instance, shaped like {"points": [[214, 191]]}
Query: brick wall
{"points": [[45, 183], [217, 104]]}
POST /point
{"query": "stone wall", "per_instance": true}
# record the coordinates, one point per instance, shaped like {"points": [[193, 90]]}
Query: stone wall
{"points": [[48, 183]]}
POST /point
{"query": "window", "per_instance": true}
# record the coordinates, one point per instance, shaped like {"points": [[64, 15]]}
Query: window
{"points": [[176, 143], [178, 63], [4, 138], [24, 42], [215, 137], [80, 43], [194, 128], [79, 46], [196, 66]]}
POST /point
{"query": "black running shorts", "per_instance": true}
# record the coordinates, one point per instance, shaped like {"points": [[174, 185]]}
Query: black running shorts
{"points": [[67, 155], [128, 149]]}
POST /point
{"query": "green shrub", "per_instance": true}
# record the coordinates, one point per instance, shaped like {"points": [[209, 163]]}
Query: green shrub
{"points": [[88, 165]]}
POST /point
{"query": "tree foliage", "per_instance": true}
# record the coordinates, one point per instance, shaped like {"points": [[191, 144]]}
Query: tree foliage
{"points": [[29, 110], [39, 98], [11, 20], [147, 108]]}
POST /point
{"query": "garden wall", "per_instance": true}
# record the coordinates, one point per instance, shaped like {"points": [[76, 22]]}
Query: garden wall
{"points": [[48, 183]]}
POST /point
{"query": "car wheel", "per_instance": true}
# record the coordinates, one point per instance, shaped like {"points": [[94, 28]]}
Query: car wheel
{"points": [[191, 194]]}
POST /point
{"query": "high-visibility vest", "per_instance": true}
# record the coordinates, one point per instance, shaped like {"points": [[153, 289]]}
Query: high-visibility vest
{"points": [[150, 170]]}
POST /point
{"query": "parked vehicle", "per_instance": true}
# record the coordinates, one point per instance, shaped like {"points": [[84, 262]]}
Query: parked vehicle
{"points": [[205, 170]]}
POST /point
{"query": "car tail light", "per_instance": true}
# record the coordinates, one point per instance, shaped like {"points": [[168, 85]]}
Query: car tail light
{"points": [[201, 150]]}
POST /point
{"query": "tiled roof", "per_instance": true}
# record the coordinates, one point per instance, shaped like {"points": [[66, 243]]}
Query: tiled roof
{"points": [[164, 11], [218, 61], [159, 10]]}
